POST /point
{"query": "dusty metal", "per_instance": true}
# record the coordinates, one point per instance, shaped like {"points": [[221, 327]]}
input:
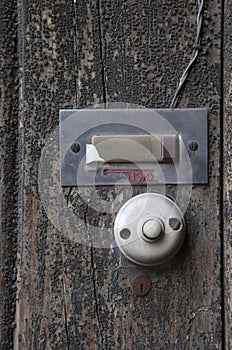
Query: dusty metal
{"points": [[155, 227], [141, 285], [86, 167]]}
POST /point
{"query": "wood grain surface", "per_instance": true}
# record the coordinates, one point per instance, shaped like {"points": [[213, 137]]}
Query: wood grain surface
{"points": [[227, 172], [8, 169], [78, 54]]}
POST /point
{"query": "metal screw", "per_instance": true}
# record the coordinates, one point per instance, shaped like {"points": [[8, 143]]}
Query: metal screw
{"points": [[141, 285], [75, 147], [193, 146]]}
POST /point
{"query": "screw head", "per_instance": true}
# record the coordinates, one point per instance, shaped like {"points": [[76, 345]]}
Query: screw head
{"points": [[193, 146], [75, 147]]}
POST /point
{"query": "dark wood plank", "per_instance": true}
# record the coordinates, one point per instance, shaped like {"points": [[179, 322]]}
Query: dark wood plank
{"points": [[145, 48], [227, 172], [78, 297], [8, 177], [59, 68]]}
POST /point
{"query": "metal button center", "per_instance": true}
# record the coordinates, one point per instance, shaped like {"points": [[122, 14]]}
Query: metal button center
{"points": [[152, 229]]}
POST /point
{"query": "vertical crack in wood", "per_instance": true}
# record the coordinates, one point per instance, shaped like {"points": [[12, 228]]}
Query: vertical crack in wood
{"points": [[101, 44], [103, 345], [65, 304], [96, 299], [64, 297], [64, 284], [75, 36], [102, 49], [21, 35], [69, 195], [68, 198], [221, 200]]}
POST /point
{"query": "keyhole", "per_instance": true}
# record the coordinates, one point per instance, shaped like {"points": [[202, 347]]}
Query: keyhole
{"points": [[141, 285]]}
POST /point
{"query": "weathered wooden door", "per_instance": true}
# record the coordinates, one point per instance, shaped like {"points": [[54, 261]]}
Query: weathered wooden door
{"points": [[58, 294]]}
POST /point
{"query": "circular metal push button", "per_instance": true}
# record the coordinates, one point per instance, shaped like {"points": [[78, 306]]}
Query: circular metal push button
{"points": [[149, 229], [152, 229]]}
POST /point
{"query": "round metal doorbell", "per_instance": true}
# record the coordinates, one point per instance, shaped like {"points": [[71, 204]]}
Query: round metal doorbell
{"points": [[149, 229]]}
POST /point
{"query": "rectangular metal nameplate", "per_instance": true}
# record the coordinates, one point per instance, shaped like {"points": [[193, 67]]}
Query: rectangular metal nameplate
{"points": [[140, 146]]}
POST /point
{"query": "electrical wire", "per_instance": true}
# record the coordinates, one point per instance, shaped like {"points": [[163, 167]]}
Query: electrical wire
{"points": [[193, 56]]}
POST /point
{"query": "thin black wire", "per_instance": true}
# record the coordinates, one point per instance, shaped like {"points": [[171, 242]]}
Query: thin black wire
{"points": [[193, 56]]}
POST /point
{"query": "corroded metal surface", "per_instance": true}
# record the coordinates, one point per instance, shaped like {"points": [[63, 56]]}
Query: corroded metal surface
{"points": [[141, 285]]}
